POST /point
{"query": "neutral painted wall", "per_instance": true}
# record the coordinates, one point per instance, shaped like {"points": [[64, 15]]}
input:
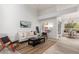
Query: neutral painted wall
{"points": [[54, 30], [10, 16]]}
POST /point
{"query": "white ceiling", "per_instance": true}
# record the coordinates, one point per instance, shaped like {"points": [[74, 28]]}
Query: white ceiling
{"points": [[72, 15], [42, 7]]}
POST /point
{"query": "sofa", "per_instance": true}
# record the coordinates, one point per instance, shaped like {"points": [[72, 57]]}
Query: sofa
{"points": [[24, 36]]}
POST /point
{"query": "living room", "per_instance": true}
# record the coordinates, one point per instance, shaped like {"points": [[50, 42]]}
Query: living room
{"points": [[12, 18], [24, 23]]}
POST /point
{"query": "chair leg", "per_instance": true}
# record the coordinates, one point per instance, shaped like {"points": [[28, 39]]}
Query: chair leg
{"points": [[12, 47], [3, 46]]}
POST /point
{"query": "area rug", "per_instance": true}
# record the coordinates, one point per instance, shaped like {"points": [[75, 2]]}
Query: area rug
{"points": [[24, 48], [8, 51]]}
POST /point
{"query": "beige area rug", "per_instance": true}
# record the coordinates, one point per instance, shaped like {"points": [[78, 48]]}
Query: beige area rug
{"points": [[8, 51], [24, 48]]}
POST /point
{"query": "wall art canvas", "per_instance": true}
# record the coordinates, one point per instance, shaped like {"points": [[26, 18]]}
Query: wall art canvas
{"points": [[25, 24]]}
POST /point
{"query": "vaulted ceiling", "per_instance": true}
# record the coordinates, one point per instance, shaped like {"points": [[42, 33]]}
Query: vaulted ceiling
{"points": [[53, 10], [42, 7]]}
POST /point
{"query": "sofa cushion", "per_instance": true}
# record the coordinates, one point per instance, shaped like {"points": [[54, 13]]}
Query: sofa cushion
{"points": [[20, 34]]}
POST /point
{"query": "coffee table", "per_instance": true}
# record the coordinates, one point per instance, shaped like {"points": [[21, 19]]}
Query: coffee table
{"points": [[35, 41]]}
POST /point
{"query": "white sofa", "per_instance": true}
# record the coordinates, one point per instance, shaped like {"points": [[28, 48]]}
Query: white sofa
{"points": [[23, 36]]}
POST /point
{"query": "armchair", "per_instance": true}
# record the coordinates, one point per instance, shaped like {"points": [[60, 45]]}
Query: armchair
{"points": [[5, 42]]}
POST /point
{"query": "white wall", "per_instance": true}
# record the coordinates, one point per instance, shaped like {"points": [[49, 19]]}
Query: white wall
{"points": [[10, 16], [54, 31]]}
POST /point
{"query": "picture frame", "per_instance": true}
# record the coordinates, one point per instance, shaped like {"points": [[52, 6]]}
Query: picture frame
{"points": [[25, 24]]}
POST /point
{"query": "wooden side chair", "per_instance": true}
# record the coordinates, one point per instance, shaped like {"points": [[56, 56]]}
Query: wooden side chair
{"points": [[5, 42]]}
